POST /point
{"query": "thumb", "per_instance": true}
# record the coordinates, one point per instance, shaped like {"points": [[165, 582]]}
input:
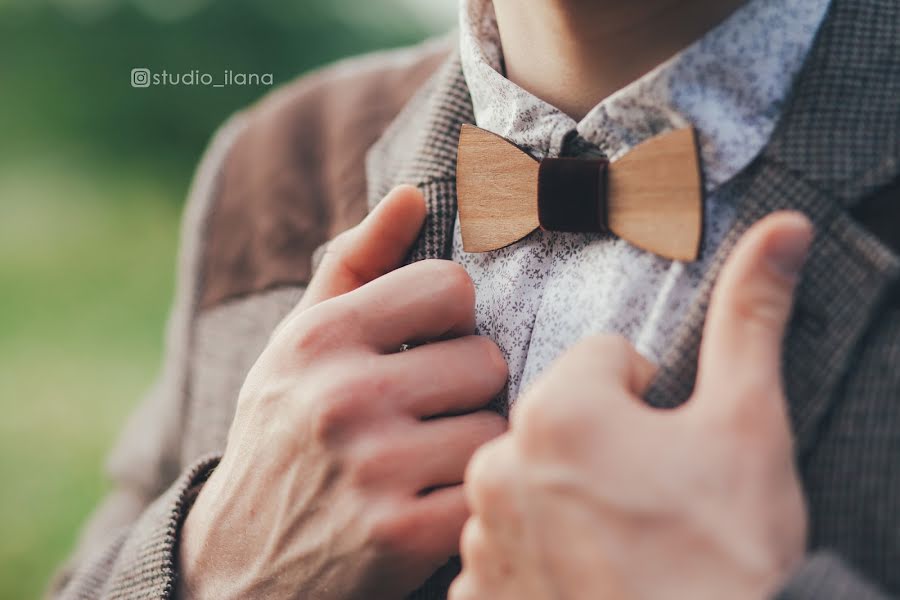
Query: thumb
{"points": [[376, 246], [752, 303]]}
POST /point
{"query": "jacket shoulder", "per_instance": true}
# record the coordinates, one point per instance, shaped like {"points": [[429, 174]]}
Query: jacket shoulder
{"points": [[294, 177]]}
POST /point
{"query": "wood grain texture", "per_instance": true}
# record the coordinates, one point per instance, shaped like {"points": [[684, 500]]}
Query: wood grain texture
{"points": [[496, 190], [655, 194]]}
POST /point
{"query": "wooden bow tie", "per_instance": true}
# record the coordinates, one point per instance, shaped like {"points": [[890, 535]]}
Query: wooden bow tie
{"points": [[652, 197]]}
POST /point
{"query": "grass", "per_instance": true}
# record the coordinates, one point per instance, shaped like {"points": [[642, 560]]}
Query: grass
{"points": [[86, 274]]}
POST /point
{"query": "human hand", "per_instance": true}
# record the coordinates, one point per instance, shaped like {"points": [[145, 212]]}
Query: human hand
{"points": [[342, 473], [594, 494]]}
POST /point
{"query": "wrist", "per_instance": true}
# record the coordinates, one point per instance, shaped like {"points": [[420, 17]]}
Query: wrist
{"points": [[189, 584], [194, 547]]}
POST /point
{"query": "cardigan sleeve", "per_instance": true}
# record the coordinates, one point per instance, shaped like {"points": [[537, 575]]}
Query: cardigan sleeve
{"points": [[140, 560], [127, 547]]}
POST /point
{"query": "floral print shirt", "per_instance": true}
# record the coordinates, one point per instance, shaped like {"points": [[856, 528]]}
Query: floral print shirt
{"points": [[537, 297]]}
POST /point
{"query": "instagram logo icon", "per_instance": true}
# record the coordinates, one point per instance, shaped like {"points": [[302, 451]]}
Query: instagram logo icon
{"points": [[140, 78]]}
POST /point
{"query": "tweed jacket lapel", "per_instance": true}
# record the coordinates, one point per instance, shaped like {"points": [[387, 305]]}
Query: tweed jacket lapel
{"points": [[837, 143], [419, 148]]}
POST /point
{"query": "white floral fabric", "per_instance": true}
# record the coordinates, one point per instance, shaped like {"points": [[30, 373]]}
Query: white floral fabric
{"points": [[538, 297]]}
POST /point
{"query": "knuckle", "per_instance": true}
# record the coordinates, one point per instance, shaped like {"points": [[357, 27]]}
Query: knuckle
{"points": [[379, 387], [360, 378], [371, 463], [317, 330], [761, 306], [338, 246], [346, 392], [262, 399], [540, 403], [335, 254], [484, 483], [454, 278], [542, 424], [451, 283], [332, 419], [472, 544], [288, 323], [392, 529], [268, 398], [340, 401], [348, 388], [491, 357], [464, 586]]}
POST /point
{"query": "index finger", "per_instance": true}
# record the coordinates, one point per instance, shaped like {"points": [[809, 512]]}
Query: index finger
{"points": [[374, 247], [421, 302]]}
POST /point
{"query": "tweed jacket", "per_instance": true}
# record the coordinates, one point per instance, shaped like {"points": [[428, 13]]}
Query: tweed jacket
{"points": [[285, 176]]}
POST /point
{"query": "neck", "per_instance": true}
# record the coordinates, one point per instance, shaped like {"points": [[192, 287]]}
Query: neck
{"points": [[575, 53]]}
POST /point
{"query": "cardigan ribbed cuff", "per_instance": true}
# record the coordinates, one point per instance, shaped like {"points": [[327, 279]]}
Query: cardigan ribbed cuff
{"points": [[146, 567]]}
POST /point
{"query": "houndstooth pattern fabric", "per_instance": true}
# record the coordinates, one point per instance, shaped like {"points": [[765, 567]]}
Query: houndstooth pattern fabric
{"points": [[836, 145]]}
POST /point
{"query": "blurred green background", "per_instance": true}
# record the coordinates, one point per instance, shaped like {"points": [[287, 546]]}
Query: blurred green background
{"points": [[93, 174]]}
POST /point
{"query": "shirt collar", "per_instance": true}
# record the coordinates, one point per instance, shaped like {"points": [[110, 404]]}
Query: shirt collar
{"points": [[731, 85]]}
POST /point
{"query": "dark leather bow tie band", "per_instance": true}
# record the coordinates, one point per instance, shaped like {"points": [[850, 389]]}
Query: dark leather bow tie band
{"points": [[652, 197]]}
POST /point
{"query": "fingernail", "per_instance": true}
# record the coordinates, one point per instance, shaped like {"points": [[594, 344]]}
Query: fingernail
{"points": [[788, 250]]}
